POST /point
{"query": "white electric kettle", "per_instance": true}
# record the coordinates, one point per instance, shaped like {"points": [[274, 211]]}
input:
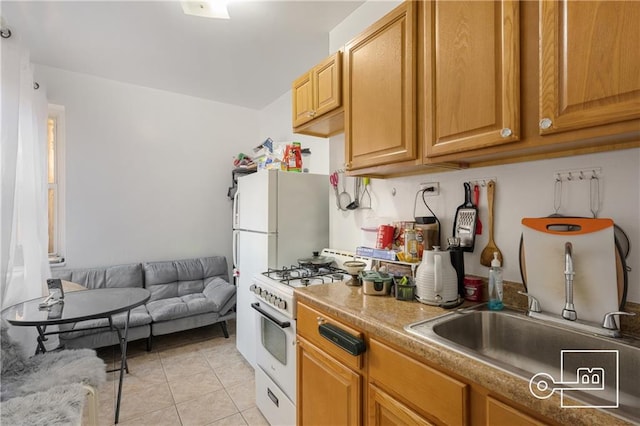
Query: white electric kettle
{"points": [[436, 279]]}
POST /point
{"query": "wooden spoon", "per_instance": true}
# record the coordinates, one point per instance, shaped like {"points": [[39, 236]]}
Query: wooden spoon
{"points": [[487, 254]]}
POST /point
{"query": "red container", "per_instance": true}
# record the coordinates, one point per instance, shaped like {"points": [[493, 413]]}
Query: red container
{"points": [[293, 157], [384, 239], [473, 289]]}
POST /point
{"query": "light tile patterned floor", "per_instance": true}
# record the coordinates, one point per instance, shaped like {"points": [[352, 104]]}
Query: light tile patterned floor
{"points": [[192, 378]]}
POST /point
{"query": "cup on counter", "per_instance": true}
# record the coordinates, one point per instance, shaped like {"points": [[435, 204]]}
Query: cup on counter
{"points": [[384, 238]]}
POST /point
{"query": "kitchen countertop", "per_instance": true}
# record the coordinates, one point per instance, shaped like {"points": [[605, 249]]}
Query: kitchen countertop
{"points": [[385, 318]]}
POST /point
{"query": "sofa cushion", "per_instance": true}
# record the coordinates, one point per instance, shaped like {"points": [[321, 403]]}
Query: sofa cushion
{"points": [[139, 316], [218, 291], [179, 307], [174, 279], [118, 276]]}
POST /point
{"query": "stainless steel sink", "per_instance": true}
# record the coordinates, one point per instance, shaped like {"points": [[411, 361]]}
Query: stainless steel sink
{"points": [[529, 347]]}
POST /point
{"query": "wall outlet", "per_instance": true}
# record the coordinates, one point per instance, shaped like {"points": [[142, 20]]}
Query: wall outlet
{"points": [[430, 188]]}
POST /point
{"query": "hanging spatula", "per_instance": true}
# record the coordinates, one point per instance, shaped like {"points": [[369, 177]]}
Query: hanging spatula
{"points": [[464, 226]]}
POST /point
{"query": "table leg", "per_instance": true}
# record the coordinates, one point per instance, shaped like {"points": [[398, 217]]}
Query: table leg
{"points": [[123, 361], [41, 339], [117, 330]]}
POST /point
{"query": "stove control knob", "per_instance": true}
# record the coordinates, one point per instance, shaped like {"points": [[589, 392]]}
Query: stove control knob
{"points": [[257, 290], [272, 298], [264, 293], [282, 304], [276, 301], [252, 288]]}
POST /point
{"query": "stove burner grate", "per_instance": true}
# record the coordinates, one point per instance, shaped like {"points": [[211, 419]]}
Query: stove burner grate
{"points": [[305, 275]]}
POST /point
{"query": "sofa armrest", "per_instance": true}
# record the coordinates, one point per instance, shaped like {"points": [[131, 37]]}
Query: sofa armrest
{"points": [[219, 292]]}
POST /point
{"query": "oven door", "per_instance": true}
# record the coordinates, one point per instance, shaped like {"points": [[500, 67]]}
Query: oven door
{"points": [[275, 352]]}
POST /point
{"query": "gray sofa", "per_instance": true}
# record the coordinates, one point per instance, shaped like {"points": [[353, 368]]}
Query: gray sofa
{"points": [[185, 294]]}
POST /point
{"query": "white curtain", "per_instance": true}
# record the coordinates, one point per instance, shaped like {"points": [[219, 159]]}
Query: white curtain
{"points": [[23, 205]]}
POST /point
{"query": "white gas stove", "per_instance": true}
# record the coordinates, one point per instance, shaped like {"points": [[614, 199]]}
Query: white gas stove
{"points": [[275, 321], [275, 286]]}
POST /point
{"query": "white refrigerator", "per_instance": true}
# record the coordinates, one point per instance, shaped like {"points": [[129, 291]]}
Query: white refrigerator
{"points": [[278, 217]]}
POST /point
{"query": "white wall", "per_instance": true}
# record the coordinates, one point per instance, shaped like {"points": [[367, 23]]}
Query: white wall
{"points": [[358, 21], [522, 190], [147, 171], [275, 122]]}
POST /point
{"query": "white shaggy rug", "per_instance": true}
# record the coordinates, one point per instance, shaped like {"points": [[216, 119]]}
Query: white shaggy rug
{"points": [[58, 406]]}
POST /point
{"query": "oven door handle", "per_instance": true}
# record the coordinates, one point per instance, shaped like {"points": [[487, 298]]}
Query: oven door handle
{"points": [[281, 324]]}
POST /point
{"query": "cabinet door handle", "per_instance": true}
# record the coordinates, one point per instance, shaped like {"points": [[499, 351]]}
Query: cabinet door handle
{"points": [[506, 132], [545, 123], [342, 339]]}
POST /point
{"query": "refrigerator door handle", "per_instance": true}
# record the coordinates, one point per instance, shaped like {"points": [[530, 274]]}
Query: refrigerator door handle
{"points": [[236, 209], [234, 248]]}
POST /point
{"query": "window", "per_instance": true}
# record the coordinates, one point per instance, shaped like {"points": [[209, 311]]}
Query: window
{"points": [[55, 180]]}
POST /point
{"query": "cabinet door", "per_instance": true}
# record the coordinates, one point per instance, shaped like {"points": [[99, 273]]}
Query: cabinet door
{"points": [[385, 410], [328, 392], [380, 97], [432, 393], [302, 90], [499, 413], [327, 84], [471, 75], [589, 63]]}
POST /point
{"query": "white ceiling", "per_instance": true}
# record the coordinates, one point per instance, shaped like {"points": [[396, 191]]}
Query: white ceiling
{"points": [[249, 60]]}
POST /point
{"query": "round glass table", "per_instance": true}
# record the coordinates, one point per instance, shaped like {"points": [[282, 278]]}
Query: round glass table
{"points": [[80, 306]]}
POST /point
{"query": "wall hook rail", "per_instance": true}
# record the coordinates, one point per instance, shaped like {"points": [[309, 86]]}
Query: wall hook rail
{"points": [[481, 181], [577, 175]]}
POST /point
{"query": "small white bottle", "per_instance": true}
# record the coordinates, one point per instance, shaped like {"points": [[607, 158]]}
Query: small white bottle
{"points": [[495, 284]]}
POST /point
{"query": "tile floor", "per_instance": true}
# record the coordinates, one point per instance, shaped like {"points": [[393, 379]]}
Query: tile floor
{"points": [[196, 377]]}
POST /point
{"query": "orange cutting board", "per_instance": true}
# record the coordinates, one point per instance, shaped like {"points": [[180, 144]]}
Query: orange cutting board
{"points": [[595, 289]]}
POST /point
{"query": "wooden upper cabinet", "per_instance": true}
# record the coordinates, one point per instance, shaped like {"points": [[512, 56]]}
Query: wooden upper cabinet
{"points": [[318, 91], [589, 63], [471, 66], [302, 100], [327, 84], [379, 89]]}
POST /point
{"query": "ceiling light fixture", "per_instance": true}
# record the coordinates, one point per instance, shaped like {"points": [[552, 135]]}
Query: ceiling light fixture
{"points": [[206, 8]]}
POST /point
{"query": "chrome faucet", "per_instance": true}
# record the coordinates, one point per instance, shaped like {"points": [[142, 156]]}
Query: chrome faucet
{"points": [[569, 311], [534, 305], [609, 321]]}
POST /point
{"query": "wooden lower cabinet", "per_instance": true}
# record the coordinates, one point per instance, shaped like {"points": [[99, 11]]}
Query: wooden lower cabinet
{"points": [[386, 385], [331, 381], [383, 409], [434, 394], [329, 392], [499, 413]]}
